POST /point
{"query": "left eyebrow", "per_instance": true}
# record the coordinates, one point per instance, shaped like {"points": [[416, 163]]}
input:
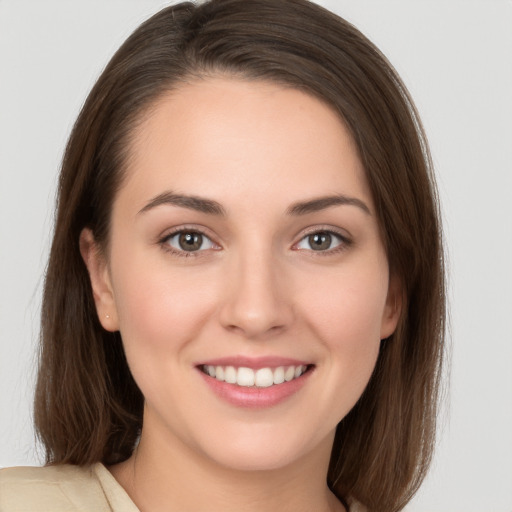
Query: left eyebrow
{"points": [[321, 203]]}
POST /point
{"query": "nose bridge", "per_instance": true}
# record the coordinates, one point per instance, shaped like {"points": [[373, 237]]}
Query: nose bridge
{"points": [[257, 301]]}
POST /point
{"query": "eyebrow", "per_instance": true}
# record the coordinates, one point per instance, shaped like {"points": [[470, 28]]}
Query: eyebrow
{"points": [[321, 203], [199, 204], [212, 207]]}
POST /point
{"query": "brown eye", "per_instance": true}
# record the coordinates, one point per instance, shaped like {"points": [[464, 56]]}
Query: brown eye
{"points": [[320, 241], [189, 241]]}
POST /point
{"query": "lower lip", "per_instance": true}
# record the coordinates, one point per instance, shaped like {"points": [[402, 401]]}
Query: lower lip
{"points": [[255, 397]]}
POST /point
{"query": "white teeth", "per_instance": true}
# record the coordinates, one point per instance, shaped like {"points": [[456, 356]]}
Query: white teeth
{"points": [[219, 373], [264, 378], [279, 375], [230, 375], [247, 377], [289, 373]]}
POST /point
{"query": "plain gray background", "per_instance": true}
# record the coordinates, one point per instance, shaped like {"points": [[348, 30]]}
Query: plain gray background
{"points": [[456, 58]]}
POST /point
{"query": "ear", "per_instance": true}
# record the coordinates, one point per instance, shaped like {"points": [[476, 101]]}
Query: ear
{"points": [[393, 308], [99, 275]]}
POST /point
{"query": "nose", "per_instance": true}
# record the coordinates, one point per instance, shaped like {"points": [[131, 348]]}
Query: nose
{"points": [[257, 300]]}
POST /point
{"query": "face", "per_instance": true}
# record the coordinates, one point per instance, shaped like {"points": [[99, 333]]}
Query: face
{"points": [[245, 272]]}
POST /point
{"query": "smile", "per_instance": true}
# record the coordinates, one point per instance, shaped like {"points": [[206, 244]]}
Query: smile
{"points": [[247, 377]]}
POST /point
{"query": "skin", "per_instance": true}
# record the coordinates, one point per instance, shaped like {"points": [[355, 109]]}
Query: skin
{"points": [[257, 289]]}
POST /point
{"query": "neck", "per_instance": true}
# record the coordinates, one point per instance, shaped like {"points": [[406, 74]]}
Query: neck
{"points": [[171, 477]]}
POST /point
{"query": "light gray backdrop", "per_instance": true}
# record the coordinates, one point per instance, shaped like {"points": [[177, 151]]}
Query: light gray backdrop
{"points": [[456, 58]]}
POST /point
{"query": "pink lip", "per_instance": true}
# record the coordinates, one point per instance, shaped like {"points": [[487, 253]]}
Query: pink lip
{"points": [[254, 397], [254, 363]]}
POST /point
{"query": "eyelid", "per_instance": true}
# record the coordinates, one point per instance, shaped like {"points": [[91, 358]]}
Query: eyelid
{"points": [[346, 239], [327, 228], [168, 234]]}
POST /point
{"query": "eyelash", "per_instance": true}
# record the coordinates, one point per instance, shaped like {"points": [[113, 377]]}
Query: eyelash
{"points": [[164, 242], [344, 242]]}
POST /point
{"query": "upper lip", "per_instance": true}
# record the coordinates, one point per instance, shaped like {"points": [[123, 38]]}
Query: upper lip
{"points": [[254, 363]]}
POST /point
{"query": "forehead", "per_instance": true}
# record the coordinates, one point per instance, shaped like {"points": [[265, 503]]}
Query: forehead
{"points": [[226, 137]]}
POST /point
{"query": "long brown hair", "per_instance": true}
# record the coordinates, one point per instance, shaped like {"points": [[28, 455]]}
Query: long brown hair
{"points": [[87, 405]]}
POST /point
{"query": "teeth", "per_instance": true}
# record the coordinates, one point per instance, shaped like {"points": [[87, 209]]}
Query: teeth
{"points": [[247, 377], [230, 375], [264, 378], [289, 373], [279, 375]]}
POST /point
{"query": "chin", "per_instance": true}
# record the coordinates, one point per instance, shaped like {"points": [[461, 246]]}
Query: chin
{"points": [[267, 453]]}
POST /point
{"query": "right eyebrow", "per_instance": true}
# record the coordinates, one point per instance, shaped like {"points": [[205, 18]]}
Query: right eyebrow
{"points": [[200, 204]]}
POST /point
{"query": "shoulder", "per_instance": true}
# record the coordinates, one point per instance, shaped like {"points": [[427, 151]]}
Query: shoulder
{"points": [[57, 488]]}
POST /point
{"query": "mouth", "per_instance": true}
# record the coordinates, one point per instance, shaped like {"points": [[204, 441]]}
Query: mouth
{"points": [[265, 377]]}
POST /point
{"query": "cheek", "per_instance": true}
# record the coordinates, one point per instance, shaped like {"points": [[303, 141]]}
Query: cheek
{"points": [[345, 312], [161, 312], [157, 306], [346, 307]]}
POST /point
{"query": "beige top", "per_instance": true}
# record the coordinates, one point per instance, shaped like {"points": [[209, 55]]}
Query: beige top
{"points": [[63, 488], [66, 488]]}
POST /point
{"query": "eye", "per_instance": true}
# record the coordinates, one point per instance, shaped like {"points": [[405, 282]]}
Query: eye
{"points": [[189, 241], [321, 241]]}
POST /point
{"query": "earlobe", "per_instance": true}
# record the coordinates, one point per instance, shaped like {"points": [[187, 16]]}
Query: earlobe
{"points": [[100, 280], [393, 308]]}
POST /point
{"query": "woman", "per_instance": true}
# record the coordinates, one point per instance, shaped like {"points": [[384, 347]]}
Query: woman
{"points": [[244, 303]]}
